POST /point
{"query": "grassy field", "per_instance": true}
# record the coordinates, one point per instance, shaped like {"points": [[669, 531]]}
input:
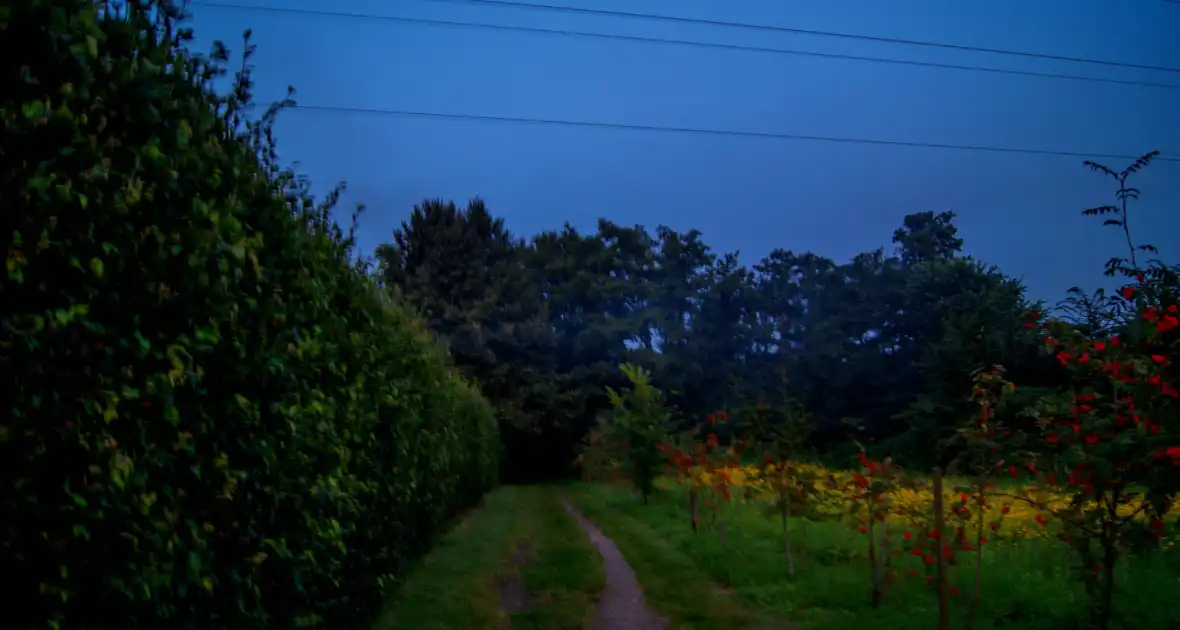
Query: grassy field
{"points": [[690, 579], [697, 584], [520, 546]]}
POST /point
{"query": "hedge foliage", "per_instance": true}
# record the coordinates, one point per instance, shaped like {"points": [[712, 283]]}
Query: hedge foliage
{"points": [[217, 419]]}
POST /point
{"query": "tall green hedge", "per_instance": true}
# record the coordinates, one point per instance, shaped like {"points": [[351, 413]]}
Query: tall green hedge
{"points": [[211, 417]]}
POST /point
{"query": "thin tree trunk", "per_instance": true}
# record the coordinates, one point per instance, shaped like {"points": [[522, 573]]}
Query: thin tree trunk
{"points": [[692, 508], [944, 613], [875, 596], [976, 591], [786, 512], [882, 559], [1109, 557]]}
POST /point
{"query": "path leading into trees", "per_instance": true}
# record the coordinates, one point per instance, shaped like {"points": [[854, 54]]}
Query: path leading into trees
{"points": [[622, 605], [539, 558]]}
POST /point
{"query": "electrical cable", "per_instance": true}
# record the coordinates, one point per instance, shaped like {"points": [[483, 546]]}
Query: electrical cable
{"points": [[802, 31], [713, 132], [660, 40]]}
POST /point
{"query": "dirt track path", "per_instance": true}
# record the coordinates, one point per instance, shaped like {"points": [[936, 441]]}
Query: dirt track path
{"points": [[622, 606], [514, 597]]}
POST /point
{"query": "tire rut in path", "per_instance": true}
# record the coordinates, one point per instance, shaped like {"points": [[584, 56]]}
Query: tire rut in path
{"points": [[621, 606], [514, 597]]}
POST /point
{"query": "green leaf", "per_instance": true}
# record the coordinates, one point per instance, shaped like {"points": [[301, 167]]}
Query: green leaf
{"points": [[33, 109], [184, 131], [96, 266]]}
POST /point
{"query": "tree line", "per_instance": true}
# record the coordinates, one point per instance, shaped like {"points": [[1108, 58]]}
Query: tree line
{"points": [[883, 344]]}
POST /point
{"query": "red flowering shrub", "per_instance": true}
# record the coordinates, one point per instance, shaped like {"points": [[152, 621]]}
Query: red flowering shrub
{"points": [[869, 497], [1111, 439], [1109, 442], [703, 465]]}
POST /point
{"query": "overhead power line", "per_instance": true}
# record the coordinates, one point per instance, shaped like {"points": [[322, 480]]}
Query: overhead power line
{"points": [[661, 40], [713, 132], [802, 31]]}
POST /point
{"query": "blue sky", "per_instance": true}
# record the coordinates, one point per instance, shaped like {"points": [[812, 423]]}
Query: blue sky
{"points": [[1021, 212]]}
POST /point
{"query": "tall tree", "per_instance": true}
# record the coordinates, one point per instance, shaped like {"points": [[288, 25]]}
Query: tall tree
{"points": [[925, 236], [468, 276], [887, 338]]}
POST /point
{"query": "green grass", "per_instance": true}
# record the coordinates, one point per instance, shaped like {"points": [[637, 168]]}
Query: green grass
{"points": [[697, 584], [456, 587], [673, 583], [564, 576]]}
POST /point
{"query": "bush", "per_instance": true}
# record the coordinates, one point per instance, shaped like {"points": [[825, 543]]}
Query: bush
{"points": [[640, 426], [216, 419]]}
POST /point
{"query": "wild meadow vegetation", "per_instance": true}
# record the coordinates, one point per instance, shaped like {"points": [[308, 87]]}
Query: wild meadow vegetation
{"points": [[221, 416], [1057, 516]]}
